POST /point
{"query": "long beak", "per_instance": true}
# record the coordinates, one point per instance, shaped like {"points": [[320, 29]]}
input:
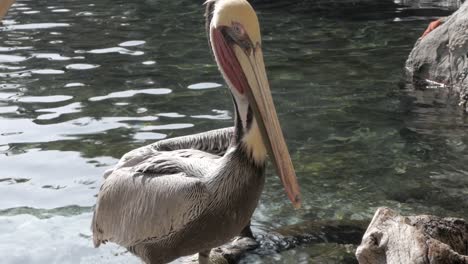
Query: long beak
{"points": [[260, 99], [245, 70]]}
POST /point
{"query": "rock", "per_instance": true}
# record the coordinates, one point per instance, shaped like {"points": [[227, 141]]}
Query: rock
{"points": [[389, 239], [442, 56], [334, 234], [424, 239]]}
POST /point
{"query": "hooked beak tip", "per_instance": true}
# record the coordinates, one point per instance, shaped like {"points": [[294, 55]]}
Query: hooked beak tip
{"points": [[297, 202]]}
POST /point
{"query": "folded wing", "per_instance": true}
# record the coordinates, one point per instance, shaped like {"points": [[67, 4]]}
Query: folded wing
{"points": [[214, 142], [153, 199]]}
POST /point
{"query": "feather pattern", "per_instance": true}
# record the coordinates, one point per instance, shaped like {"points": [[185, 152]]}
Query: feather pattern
{"points": [[170, 192], [214, 142]]}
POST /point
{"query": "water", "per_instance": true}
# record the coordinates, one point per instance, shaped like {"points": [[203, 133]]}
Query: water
{"points": [[83, 82]]}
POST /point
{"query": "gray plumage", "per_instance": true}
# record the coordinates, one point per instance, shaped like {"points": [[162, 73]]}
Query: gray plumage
{"points": [[215, 142], [178, 196]]}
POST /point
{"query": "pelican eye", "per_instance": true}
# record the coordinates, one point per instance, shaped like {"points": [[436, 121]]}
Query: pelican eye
{"points": [[238, 30], [237, 34]]}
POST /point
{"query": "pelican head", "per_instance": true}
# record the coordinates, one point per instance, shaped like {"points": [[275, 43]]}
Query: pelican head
{"points": [[235, 38]]}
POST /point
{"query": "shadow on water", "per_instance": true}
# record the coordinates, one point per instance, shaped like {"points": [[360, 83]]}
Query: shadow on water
{"points": [[83, 82]]}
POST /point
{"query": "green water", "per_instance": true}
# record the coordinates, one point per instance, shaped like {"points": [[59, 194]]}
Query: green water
{"points": [[83, 82]]}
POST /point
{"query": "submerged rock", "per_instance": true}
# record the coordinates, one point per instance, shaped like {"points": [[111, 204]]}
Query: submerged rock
{"points": [[339, 238], [442, 56]]}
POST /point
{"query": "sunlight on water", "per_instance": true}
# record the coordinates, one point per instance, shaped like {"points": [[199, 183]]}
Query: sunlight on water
{"points": [[45, 99], [132, 43], [81, 66], [58, 111], [116, 50], [11, 58], [35, 26], [167, 127], [201, 86], [130, 93]]}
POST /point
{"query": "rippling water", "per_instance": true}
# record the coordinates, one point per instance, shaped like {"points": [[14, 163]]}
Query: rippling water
{"points": [[83, 82]]}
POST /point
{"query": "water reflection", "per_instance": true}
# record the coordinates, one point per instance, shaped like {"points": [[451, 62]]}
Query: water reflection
{"points": [[201, 86], [34, 26], [58, 111], [52, 56], [81, 66], [11, 58], [130, 93], [132, 43], [357, 141], [44, 99], [115, 50]]}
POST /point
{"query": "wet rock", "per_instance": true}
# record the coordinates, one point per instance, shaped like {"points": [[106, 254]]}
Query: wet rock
{"points": [[423, 239], [442, 57], [340, 236]]}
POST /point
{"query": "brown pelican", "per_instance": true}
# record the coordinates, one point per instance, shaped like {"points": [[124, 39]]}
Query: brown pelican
{"points": [[187, 195], [4, 6]]}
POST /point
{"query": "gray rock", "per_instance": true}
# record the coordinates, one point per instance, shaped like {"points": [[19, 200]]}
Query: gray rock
{"points": [[423, 239], [442, 56]]}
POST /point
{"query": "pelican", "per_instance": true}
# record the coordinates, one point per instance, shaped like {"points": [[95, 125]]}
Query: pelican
{"points": [[187, 195]]}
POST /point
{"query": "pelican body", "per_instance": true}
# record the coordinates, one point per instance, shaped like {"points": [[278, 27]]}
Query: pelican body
{"points": [[187, 195]]}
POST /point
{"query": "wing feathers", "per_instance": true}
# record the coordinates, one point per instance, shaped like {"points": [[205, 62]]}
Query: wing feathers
{"points": [[214, 142], [132, 207], [157, 189]]}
